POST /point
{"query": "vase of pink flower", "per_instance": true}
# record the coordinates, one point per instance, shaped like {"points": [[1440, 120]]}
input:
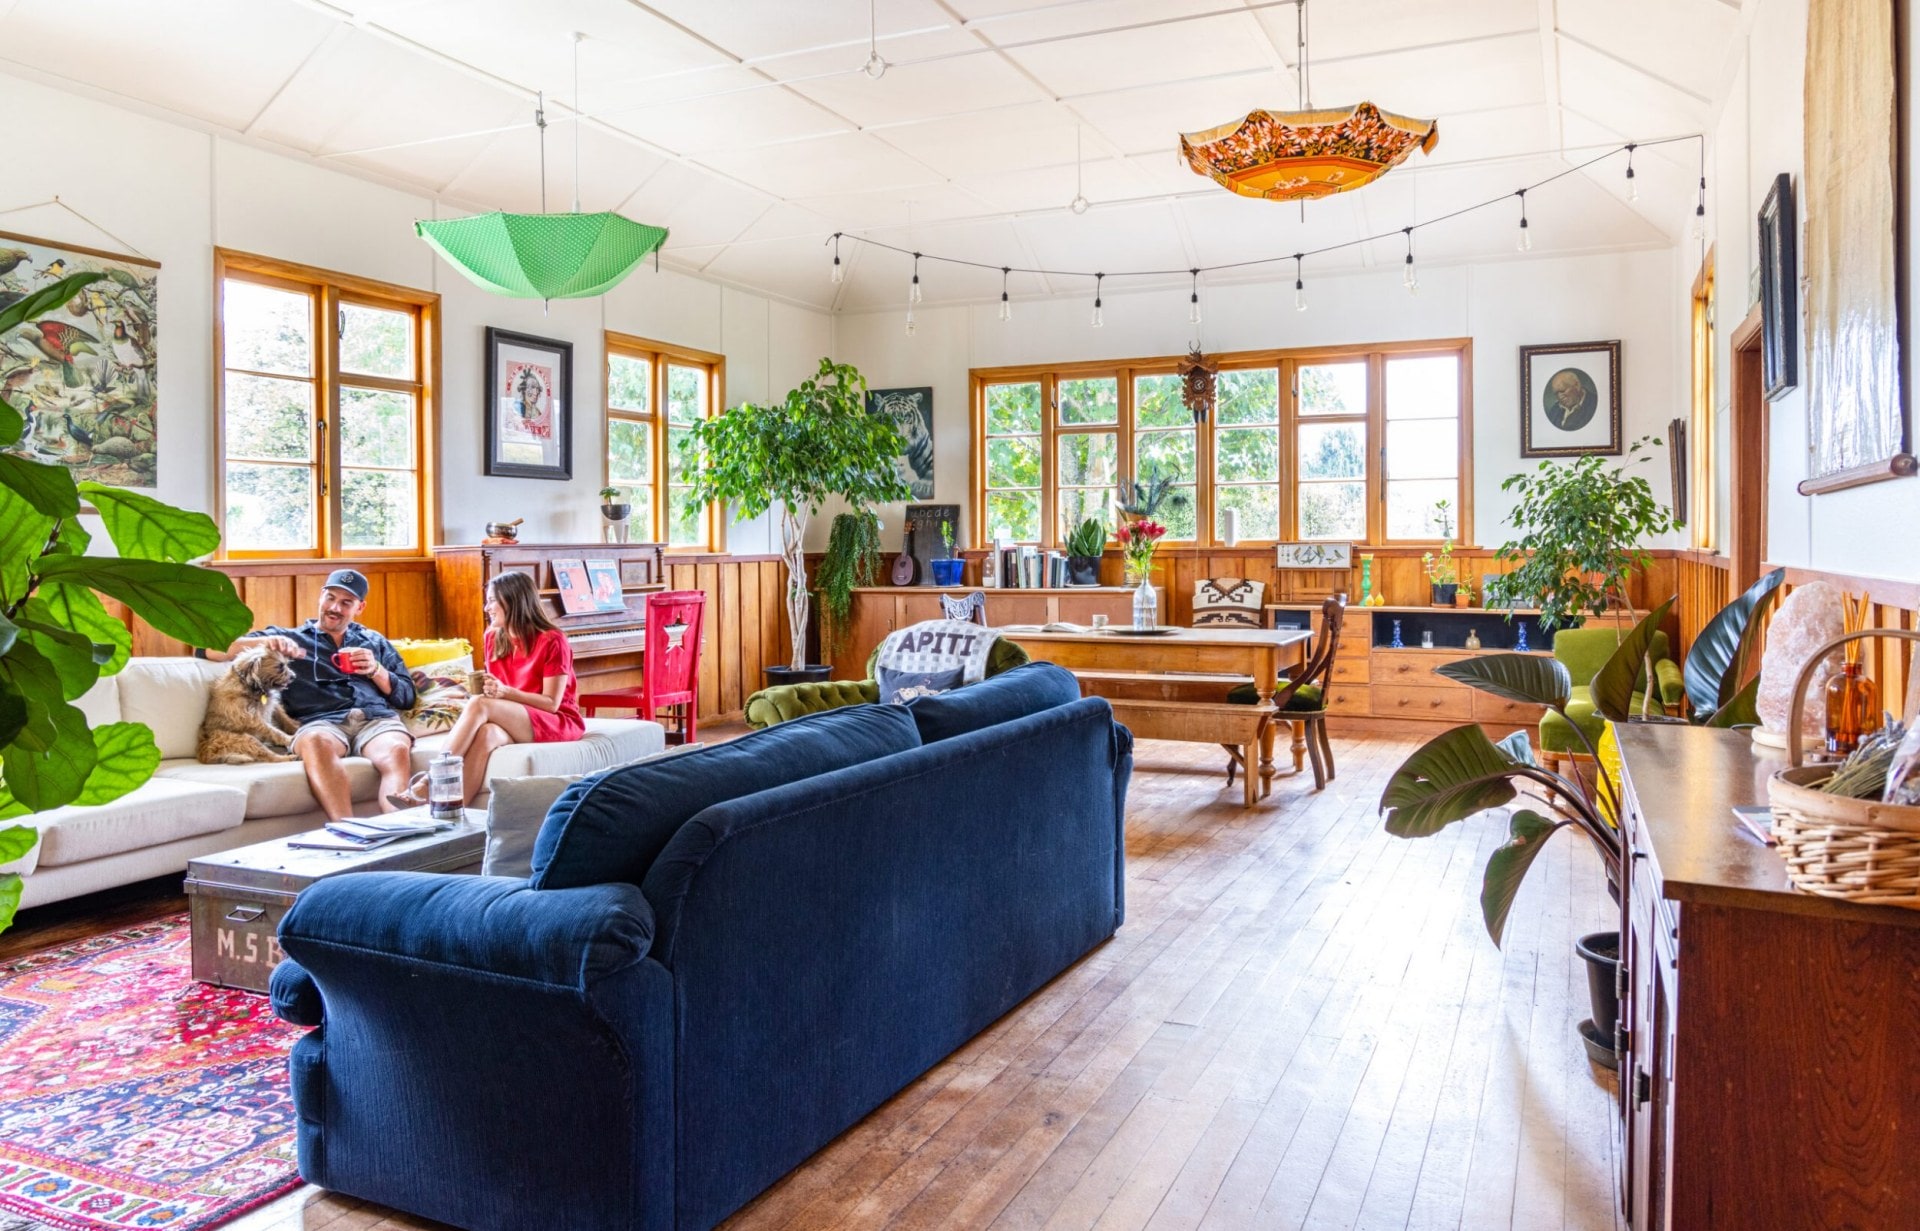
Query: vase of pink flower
{"points": [[1137, 541]]}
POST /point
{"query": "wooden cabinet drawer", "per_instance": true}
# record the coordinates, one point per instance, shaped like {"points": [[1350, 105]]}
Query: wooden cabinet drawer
{"points": [[1410, 701], [1400, 667], [1349, 699], [1489, 708], [1350, 670]]}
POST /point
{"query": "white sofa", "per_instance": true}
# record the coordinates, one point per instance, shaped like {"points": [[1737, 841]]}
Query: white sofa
{"points": [[189, 809]]}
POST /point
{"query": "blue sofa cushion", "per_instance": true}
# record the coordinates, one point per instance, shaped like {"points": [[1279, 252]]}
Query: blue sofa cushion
{"points": [[611, 827], [1001, 698]]}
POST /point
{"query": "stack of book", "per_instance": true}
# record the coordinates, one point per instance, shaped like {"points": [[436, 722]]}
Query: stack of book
{"points": [[366, 833], [1031, 568]]}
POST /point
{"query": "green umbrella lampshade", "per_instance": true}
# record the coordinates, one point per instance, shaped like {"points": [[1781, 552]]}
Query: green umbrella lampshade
{"points": [[543, 256]]}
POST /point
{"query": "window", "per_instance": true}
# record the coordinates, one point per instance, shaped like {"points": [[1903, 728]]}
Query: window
{"points": [[1359, 444], [324, 404], [655, 392], [1701, 442]]}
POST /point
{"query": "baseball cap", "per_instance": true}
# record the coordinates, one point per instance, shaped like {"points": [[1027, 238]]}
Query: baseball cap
{"points": [[349, 580]]}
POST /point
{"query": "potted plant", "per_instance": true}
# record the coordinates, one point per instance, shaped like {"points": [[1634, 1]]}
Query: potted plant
{"points": [[1084, 547], [820, 441], [59, 639], [615, 508], [852, 560], [1443, 575], [947, 571]]}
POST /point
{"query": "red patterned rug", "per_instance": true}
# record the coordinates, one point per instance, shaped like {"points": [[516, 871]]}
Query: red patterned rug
{"points": [[131, 1096]]}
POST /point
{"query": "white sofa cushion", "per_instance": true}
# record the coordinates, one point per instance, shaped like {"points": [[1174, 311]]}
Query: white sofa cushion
{"points": [[157, 811], [608, 741], [101, 703], [170, 696], [274, 788]]}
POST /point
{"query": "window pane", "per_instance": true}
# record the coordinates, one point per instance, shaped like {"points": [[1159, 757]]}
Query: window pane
{"points": [[1089, 460], [1090, 401], [1411, 513], [1016, 514], [1076, 505], [677, 440], [1333, 510], [377, 508], [1423, 449], [376, 428], [1333, 388], [1013, 461], [268, 330], [1013, 408], [686, 393], [1247, 397], [1170, 454], [269, 418], [1424, 388], [376, 341], [1156, 402], [1259, 511], [1333, 451], [629, 451], [640, 519], [1177, 514], [269, 508], [629, 383], [1247, 454], [683, 519]]}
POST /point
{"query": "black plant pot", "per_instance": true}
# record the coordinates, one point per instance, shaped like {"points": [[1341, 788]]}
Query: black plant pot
{"points": [[616, 512], [1602, 953], [812, 673], [1083, 570], [1443, 594]]}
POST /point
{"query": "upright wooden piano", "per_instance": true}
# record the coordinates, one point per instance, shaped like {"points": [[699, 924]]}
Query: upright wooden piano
{"points": [[607, 645]]}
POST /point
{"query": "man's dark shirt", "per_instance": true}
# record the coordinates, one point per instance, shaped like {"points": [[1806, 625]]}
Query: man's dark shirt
{"points": [[322, 690]]}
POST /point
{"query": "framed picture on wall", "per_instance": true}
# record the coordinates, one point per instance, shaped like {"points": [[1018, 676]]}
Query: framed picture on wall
{"points": [[529, 406], [1570, 399], [911, 411], [1779, 290]]}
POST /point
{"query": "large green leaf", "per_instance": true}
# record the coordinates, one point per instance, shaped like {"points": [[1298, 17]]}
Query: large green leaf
{"points": [[1532, 678], [24, 531], [143, 528], [47, 488], [13, 714], [16, 841], [195, 605], [76, 659], [8, 631], [80, 610], [12, 424], [1507, 867], [9, 806], [10, 886], [1742, 710], [1719, 654], [1613, 683], [124, 757], [45, 300], [1449, 778], [50, 777], [34, 680]]}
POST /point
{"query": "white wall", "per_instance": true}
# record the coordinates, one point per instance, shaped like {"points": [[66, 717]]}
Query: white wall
{"points": [[1634, 297], [175, 193]]}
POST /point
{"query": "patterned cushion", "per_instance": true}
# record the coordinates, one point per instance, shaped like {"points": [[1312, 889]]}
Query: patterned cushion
{"points": [[1232, 602], [439, 694]]}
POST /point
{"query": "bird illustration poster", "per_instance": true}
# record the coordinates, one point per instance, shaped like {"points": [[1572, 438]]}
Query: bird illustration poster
{"points": [[85, 375]]}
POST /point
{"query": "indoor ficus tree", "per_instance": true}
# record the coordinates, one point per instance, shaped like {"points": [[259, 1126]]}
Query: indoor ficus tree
{"points": [[57, 638]]}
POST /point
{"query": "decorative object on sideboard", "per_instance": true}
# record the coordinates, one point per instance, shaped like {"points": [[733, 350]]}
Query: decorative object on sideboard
{"points": [[1137, 542], [1570, 399], [1084, 547], [947, 569], [86, 379], [1396, 643], [911, 413], [903, 570], [1473, 639], [1853, 699], [615, 508], [1808, 618], [1317, 556], [1443, 572], [1520, 638], [500, 533], [529, 406], [926, 522]]}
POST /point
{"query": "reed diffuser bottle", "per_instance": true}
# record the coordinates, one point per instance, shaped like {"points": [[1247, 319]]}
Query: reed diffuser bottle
{"points": [[1853, 699]]}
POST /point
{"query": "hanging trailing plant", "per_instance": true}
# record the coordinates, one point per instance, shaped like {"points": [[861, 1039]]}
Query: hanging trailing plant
{"points": [[852, 560]]}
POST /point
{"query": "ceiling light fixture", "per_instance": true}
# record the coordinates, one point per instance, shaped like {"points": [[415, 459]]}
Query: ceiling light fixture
{"points": [[1700, 208], [1098, 318], [1409, 278], [913, 288], [876, 65], [1299, 286], [1193, 300], [1633, 187], [1079, 204], [1525, 242], [837, 274], [1006, 305]]}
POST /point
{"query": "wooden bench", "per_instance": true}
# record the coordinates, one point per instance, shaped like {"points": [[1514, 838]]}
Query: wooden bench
{"points": [[1246, 730]]}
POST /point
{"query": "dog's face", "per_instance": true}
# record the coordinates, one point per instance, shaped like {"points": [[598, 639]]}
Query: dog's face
{"points": [[262, 670]]}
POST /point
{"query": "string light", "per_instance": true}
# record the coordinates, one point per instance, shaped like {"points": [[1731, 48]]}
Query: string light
{"points": [[1700, 210], [913, 291], [837, 274], [1412, 282], [1006, 305], [1525, 242], [1299, 286], [911, 327], [1193, 301], [1633, 187], [1098, 318]]}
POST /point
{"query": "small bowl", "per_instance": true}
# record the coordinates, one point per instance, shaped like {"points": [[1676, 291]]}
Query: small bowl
{"points": [[498, 530]]}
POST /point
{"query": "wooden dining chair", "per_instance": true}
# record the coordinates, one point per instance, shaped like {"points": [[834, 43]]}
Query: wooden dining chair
{"points": [[1303, 698], [670, 666]]}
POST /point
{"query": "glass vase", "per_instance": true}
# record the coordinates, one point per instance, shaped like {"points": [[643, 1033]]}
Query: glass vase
{"points": [[1146, 604], [1853, 709]]}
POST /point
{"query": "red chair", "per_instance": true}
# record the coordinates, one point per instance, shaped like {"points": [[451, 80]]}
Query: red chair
{"points": [[671, 669]]}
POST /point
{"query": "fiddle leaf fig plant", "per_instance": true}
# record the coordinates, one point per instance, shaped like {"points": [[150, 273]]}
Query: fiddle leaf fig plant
{"points": [[57, 638]]}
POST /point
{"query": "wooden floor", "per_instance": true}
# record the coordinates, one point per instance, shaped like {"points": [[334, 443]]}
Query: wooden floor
{"points": [[1302, 1024]]}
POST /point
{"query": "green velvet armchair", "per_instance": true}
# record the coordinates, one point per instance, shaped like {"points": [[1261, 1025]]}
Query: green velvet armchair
{"points": [[1584, 651], [783, 702]]}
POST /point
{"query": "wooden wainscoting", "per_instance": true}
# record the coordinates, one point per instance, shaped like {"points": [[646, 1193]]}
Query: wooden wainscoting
{"points": [[746, 625], [1702, 580], [400, 597]]}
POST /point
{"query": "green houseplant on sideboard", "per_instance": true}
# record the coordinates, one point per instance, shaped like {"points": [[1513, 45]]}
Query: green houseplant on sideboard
{"points": [[852, 560], [57, 638], [1084, 548], [821, 441]]}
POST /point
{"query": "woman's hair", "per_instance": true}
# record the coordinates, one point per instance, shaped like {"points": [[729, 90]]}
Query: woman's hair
{"points": [[525, 618]]}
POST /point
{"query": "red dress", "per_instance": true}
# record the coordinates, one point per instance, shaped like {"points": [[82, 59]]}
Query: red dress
{"points": [[528, 672]]}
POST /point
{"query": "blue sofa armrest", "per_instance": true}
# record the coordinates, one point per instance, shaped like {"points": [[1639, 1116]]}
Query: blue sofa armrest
{"points": [[295, 996]]}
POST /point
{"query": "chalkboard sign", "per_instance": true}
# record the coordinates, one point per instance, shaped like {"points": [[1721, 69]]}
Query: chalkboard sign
{"points": [[923, 525]]}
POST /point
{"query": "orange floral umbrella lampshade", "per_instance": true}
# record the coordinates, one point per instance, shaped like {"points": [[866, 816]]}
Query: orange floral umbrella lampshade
{"points": [[1303, 155]]}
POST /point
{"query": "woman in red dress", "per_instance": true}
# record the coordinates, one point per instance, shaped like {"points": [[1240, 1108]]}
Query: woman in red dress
{"points": [[529, 693]]}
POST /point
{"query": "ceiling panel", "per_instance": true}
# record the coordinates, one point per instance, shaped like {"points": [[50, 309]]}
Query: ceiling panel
{"points": [[1045, 189], [985, 143], [696, 208], [1226, 228], [817, 168], [931, 75], [1368, 27], [1631, 101], [855, 211], [1122, 237], [1670, 39], [507, 172], [759, 29], [1429, 82], [727, 109], [1172, 52], [1151, 118]]}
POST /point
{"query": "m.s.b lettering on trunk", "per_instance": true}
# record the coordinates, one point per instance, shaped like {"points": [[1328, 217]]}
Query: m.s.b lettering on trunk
{"points": [[251, 947]]}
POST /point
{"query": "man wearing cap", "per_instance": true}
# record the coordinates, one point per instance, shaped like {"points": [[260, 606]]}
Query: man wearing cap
{"points": [[348, 689]]}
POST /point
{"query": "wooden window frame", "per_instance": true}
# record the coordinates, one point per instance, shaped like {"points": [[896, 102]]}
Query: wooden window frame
{"points": [[659, 357], [1286, 362], [329, 291], [1703, 493]]}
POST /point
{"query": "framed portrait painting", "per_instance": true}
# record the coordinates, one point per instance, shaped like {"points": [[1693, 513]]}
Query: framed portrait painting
{"points": [[1570, 399], [1779, 290], [529, 406]]}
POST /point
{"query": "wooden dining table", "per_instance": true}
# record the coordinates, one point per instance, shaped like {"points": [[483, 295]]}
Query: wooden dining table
{"points": [[1185, 674]]}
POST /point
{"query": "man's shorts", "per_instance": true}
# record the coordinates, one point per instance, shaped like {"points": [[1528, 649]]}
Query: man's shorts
{"points": [[354, 731]]}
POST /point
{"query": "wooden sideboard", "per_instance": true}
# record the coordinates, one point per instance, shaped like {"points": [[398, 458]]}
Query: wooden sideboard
{"points": [[1768, 1080], [878, 610]]}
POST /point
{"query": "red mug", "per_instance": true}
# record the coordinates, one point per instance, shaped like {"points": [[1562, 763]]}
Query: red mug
{"points": [[344, 661]]}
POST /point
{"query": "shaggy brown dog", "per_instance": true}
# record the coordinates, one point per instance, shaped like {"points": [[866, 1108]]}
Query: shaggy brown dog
{"points": [[245, 722]]}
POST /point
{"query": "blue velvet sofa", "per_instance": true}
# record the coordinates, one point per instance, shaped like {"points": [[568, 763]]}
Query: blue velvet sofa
{"points": [[722, 960]]}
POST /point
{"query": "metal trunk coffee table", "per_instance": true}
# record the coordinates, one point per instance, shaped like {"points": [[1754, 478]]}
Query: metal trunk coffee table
{"points": [[238, 896]]}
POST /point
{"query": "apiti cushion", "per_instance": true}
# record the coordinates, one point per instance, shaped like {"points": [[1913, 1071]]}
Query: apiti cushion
{"points": [[899, 687]]}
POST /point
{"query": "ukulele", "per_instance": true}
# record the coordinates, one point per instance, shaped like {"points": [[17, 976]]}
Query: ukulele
{"points": [[903, 564]]}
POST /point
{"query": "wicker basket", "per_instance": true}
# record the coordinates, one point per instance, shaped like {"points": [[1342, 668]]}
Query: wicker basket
{"points": [[1859, 850]]}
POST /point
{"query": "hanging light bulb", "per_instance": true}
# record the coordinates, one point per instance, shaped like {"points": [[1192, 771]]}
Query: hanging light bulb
{"points": [[1700, 212], [1409, 279], [911, 327], [1006, 305], [1079, 204], [1633, 185], [1299, 286], [1525, 242], [876, 65], [1099, 318], [837, 273], [1193, 301], [913, 291]]}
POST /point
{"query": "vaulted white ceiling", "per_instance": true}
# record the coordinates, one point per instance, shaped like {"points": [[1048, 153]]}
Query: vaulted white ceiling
{"points": [[749, 129]]}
